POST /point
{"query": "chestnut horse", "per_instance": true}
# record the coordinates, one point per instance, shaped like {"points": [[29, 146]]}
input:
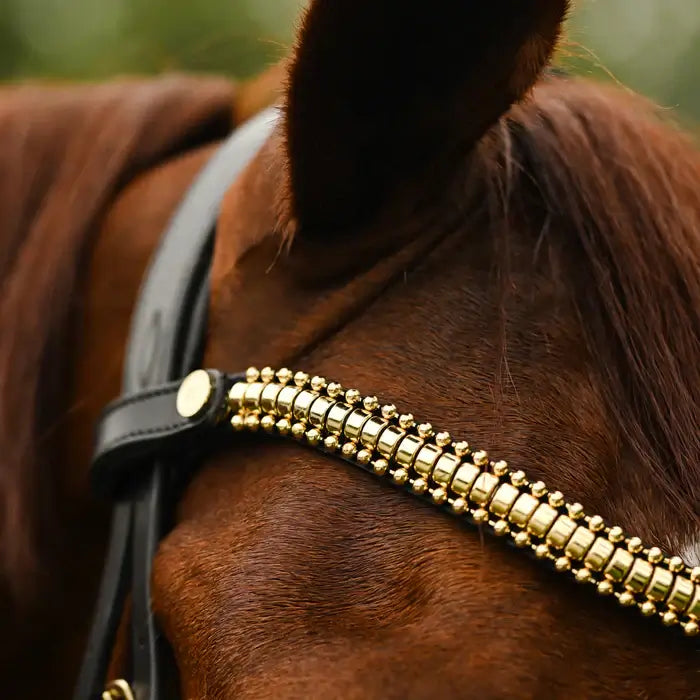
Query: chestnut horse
{"points": [[514, 255]]}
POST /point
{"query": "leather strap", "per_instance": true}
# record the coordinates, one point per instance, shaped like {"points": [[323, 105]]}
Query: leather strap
{"points": [[165, 343]]}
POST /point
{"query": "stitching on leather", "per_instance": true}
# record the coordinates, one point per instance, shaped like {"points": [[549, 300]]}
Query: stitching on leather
{"points": [[144, 431], [152, 394]]}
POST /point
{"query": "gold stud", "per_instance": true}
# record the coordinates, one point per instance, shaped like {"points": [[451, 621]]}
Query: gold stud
{"points": [[425, 430], [635, 545], [576, 511], [556, 499], [267, 423], [331, 443], [538, 489], [334, 390], [647, 608], [616, 534], [406, 421], [420, 486], [252, 422], [655, 555], [459, 505], [501, 528], [695, 575], [584, 576], [522, 539], [439, 496], [480, 458], [596, 523], [371, 403], [461, 448], [318, 383], [298, 430], [626, 599], [283, 426], [676, 564], [380, 467], [443, 439], [605, 588], [364, 456], [237, 422], [389, 411], [542, 551], [691, 629], [353, 396], [562, 564], [313, 437], [267, 375], [670, 618], [252, 375], [284, 375], [480, 516], [518, 478], [400, 476], [500, 468], [300, 379], [349, 449], [194, 394]]}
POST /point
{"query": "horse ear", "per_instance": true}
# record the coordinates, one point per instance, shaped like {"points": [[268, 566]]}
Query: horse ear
{"points": [[379, 88]]}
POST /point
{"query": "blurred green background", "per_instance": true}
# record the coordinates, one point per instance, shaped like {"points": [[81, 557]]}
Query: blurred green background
{"points": [[652, 46]]}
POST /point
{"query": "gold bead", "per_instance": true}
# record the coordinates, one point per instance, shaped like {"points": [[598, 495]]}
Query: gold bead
{"points": [[371, 403], [584, 576], [556, 499], [518, 478], [655, 555], [480, 516], [334, 390], [480, 458], [420, 486], [522, 539], [562, 564], [406, 421], [425, 430], [380, 467], [237, 422], [267, 423], [616, 534], [283, 426], [626, 599], [676, 564], [501, 528], [284, 375], [461, 448], [647, 608], [596, 523], [459, 505], [635, 545], [267, 374], [352, 396], [605, 588], [691, 629], [389, 411], [252, 422], [300, 379], [400, 476], [439, 496], [298, 430], [331, 443], [695, 575], [252, 375], [500, 468], [364, 456], [541, 551], [313, 437], [576, 511], [443, 439], [318, 383], [349, 449], [670, 618], [539, 489]]}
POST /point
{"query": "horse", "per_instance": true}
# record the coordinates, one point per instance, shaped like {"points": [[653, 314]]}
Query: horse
{"points": [[440, 221]]}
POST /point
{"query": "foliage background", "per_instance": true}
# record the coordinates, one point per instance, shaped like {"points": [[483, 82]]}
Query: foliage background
{"points": [[652, 46]]}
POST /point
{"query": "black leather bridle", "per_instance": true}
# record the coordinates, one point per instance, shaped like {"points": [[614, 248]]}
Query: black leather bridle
{"points": [[165, 343]]}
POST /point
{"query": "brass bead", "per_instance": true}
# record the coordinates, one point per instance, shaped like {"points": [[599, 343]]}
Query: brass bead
{"points": [[371, 403], [298, 430], [237, 422], [556, 499], [576, 511], [562, 564], [267, 423], [480, 458], [334, 390], [283, 426], [691, 629], [541, 551], [331, 443], [420, 486], [443, 439], [500, 468], [461, 448], [647, 608], [380, 467], [522, 539], [252, 422], [267, 375], [318, 383], [439, 496], [300, 379], [480, 516], [353, 396], [626, 599], [252, 374], [389, 411], [635, 545], [400, 476], [459, 505], [313, 437], [284, 376], [695, 575], [518, 478], [501, 528], [596, 523], [406, 421], [425, 430], [584, 576], [364, 456], [655, 555], [349, 449], [538, 489], [616, 534], [669, 618], [605, 588], [676, 564]]}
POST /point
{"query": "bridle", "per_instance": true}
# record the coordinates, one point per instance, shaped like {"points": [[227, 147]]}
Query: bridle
{"points": [[153, 437]]}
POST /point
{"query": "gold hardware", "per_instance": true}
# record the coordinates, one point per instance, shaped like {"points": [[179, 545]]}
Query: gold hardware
{"points": [[194, 394], [503, 500], [388, 440], [118, 690], [371, 430], [445, 468]]}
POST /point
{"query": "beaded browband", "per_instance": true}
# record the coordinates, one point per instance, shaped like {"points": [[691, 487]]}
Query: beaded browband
{"points": [[456, 477]]}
